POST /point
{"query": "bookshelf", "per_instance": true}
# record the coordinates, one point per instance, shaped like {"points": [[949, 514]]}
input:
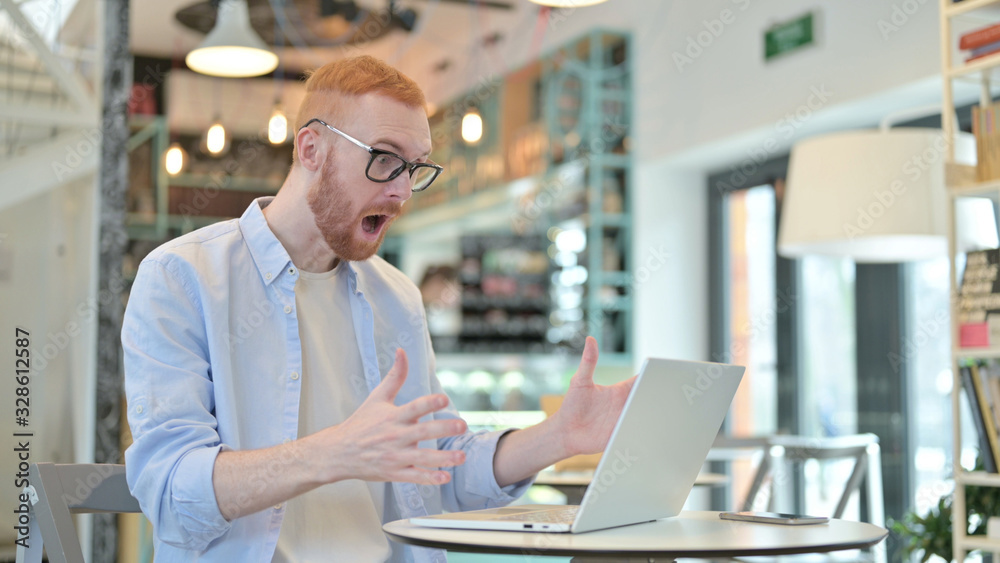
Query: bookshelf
{"points": [[962, 183], [555, 159]]}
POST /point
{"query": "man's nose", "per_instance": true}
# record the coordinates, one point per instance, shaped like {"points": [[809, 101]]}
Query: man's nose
{"points": [[400, 187]]}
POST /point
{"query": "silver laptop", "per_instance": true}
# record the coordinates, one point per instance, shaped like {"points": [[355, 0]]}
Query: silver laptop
{"points": [[658, 446]]}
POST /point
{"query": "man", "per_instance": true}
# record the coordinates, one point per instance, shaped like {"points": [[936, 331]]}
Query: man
{"points": [[279, 376]]}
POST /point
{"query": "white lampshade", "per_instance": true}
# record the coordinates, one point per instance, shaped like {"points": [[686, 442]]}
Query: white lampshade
{"points": [[232, 49], [874, 196]]}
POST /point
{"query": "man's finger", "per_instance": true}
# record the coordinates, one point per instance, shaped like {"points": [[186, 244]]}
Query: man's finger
{"points": [[588, 362], [421, 476], [393, 381], [435, 429], [422, 406], [429, 458]]}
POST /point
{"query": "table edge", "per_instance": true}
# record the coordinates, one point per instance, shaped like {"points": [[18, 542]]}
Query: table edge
{"points": [[559, 551]]}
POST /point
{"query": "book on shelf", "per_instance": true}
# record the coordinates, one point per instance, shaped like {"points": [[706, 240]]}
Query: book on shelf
{"points": [[982, 416], [979, 300], [983, 52], [986, 130], [979, 37]]}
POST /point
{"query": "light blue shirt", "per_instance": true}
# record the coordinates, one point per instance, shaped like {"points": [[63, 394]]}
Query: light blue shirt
{"points": [[213, 361]]}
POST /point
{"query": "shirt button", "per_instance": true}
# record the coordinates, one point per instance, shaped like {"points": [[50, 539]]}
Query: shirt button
{"points": [[288, 308], [295, 375], [138, 409], [267, 275], [291, 271], [277, 507]]}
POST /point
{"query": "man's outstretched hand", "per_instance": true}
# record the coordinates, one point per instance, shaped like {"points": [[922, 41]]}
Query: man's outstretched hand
{"points": [[589, 411], [379, 442], [582, 425]]}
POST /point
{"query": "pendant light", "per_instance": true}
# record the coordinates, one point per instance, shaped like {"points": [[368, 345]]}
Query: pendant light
{"points": [[232, 49], [277, 126], [472, 126], [216, 139], [175, 159]]}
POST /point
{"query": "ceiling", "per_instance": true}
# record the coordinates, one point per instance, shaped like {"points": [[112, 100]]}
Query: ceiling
{"points": [[445, 53]]}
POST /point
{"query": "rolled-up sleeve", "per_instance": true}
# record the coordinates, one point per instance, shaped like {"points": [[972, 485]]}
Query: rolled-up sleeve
{"points": [[473, 484], [168, 387]]}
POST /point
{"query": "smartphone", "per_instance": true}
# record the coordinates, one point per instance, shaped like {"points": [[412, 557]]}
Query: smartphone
{"points": [[774, 518]]}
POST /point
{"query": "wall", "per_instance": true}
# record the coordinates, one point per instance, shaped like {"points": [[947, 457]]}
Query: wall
{"points": [[47, 249], [715, 105]]}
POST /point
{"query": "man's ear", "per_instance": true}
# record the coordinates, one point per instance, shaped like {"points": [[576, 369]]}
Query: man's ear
{"points": [[307, 149]]}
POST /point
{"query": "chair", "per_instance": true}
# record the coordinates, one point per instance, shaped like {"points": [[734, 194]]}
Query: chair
{"points": [[56, 493], [863, 449], [784, 451]]}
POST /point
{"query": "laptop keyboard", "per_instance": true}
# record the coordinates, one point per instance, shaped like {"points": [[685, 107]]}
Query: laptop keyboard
{"points": [[559, 515]]}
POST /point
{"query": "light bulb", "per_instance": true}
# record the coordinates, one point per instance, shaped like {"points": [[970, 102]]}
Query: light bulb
{"points": [[277, 127], [472, 127], [215, 139], [174, 159]]}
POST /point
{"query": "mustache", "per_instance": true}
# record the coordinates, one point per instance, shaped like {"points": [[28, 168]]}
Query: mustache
{"points": [[392, 209]]}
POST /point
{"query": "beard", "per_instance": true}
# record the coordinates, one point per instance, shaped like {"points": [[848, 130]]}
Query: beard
{"points": [[331, 208]]}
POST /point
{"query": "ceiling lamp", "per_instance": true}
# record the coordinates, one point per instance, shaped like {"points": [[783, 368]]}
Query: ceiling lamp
{"points": [[232, 49], [874, 196], [472, 126], [567, 3]]}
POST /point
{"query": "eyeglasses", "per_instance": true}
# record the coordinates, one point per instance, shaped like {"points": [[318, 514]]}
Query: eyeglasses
{"points": [[385, 166]]}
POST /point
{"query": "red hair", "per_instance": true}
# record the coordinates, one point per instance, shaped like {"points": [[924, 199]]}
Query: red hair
{"points": [[354, 77]]}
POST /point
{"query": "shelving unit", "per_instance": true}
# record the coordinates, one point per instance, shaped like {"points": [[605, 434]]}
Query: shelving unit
{"points": [[962, 183], [560, 129]]}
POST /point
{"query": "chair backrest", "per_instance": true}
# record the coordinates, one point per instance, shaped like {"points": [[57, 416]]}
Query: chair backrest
{"points": [[863, 449], [57, 491]]}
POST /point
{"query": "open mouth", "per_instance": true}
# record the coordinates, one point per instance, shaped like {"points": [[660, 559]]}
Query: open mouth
{"points": [[372, 223]]}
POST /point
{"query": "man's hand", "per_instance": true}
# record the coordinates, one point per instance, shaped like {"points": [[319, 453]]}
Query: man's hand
{"points": [[376, 443], [582, 425], [589, 411], [379, 441]]}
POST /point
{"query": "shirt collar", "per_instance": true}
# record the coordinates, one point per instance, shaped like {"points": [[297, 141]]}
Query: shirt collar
{"points": [[268, 254]]}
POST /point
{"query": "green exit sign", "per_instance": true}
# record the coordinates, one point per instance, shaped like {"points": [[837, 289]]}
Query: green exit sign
{"points": [[789, 36]]}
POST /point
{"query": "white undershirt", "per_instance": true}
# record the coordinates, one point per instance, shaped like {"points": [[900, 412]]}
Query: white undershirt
{"points": [[341, 521]]}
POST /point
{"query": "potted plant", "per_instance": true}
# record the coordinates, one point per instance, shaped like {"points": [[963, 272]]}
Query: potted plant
{"points": [[931, 533]]}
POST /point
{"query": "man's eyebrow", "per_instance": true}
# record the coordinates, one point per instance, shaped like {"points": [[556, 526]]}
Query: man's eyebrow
{"points": [[396, 148]]}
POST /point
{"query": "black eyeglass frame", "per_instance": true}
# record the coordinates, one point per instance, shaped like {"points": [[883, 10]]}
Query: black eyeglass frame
{"points": [[407, 165]]}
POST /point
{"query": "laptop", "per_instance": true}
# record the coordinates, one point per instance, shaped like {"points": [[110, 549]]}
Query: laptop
{"points": [[661, 440]]}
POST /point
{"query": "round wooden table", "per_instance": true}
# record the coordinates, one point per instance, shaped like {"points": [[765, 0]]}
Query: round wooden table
{"points": [[691, 534]]}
